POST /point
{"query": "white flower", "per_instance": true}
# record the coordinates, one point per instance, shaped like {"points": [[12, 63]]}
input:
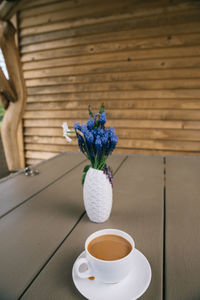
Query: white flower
{"points": [[66, 131]]}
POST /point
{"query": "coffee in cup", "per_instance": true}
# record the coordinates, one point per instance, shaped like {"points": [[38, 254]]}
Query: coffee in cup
{"points": [[109, 256], [109, 247]]}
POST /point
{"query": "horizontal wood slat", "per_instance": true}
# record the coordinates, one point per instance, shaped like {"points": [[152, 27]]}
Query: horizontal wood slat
{"points": [[118, 56], [29, 8], [172, 134], [150, 75], [126, 64], [39, 123], [164, 32], [132, 104], [120, 114], [32, 161], [62, 12], [122, 45], [126, 143], [41, 155], [180, 124], [111, 86], [104, 95], [131, 21], [36, 3], [51, 7], [142, 59]]}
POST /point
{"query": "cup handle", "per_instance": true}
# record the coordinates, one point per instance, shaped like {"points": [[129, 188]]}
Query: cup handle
{"points": [[86, 273]]}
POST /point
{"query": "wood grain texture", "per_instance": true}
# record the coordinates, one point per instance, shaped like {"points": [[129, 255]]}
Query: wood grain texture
{"points": [[130, 104], [123, 65], [19, 187], [40, 225], [182, 228], [154, 114], [10, 127], [165, 33], [130, 55], [133, 133], [116, 86], [148, 75], [119, 95], [6, 92], [33, 161], [138, 195], [156, 16], [8, 9], [118, 123], [140, 58], [122, 40], [158, 144], [104, 8]]}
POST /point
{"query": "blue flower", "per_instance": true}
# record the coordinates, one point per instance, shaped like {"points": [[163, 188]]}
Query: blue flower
{"points": [[84, 128], [90, 124], [89, 137], [77, 126], [94, 131], [94, 140], [98, 145], [105, 137], [111, 131], [81, 143], [113, 141], [102, 118], [100, 132]]}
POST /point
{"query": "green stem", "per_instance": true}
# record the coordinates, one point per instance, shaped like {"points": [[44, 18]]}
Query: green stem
{"points": [[102, 163], [70, 131], [95, 162]]}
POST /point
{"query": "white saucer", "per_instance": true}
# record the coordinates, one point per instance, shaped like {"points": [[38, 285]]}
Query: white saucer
{"points": [[130, 288]]}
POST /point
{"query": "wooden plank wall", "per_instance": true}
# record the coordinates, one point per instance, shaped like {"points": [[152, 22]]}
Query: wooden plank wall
{"points": [[142, 58]]}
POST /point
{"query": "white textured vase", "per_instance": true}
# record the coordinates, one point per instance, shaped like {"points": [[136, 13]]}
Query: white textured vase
{"points": [[97, 195]]}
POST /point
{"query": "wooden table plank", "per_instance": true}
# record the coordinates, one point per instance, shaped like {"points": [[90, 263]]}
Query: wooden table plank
{"points": [[137, 209], [182, 228], [19, 187], [31, 233]]}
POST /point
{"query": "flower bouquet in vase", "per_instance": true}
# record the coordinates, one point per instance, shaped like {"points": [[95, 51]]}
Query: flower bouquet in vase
{"points": [[96, 142]]}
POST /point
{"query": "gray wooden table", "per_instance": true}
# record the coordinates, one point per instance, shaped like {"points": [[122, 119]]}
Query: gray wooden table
{"points": [[43, 225]]}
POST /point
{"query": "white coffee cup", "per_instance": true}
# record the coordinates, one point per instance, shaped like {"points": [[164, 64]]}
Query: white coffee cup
{"points": [[112, 271]]}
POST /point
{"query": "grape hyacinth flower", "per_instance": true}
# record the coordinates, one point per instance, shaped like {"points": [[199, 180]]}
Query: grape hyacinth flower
{"points": [[102, 118], [77, 126], [98, 145], [90, 124], [95, 141]]}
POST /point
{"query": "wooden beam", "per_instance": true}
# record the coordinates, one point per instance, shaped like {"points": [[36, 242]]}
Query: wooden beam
{"points": [[6, 92], [15, 110], [8, 9]]}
